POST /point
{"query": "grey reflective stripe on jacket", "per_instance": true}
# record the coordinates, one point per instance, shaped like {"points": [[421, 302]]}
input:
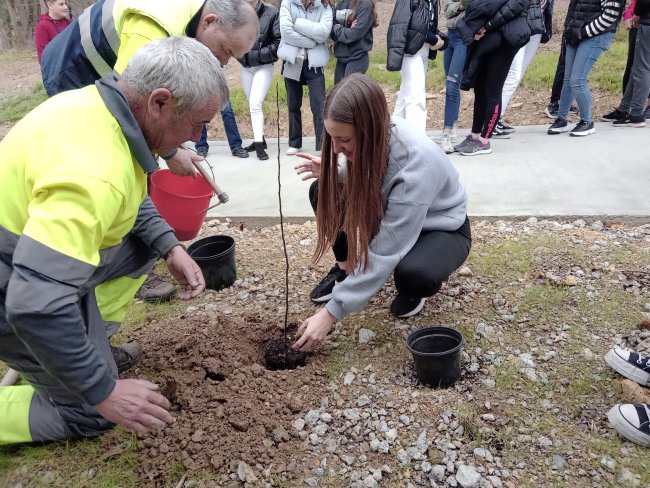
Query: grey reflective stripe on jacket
{"points": [[87, 22], [43, 312]]}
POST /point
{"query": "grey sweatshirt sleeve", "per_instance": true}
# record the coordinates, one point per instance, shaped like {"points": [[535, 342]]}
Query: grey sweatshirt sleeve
{"points": [[42, 309], [153, 230], [398, 233]]}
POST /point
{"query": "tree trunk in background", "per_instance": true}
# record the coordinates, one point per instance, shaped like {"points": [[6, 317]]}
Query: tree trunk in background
{"points": [[21, 18]]}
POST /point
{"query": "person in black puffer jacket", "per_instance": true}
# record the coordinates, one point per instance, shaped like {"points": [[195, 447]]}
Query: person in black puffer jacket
{"points": [[352, 28], [413, 38], [489, 58], [257, 71], [520, 63], [591, 25]]}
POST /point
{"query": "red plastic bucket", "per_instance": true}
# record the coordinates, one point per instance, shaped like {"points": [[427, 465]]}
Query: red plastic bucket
{"points": [[181, 200]]}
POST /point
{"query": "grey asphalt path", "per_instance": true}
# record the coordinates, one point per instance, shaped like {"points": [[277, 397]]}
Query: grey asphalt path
{"points": [[531, 174]]}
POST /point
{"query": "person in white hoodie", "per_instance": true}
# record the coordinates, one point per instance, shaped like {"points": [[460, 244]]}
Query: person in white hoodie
{"points": [[305, 26]]}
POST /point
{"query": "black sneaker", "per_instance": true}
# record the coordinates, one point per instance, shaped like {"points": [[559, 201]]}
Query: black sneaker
{"points": [[202, 151], [583, 128], [632, 422], [505, 128], [560, 125], [630, 121], [646, 114], [404, 306], [630, 364], [322, 292], [240, 152], [551, 110], [126, 356], [499, 133], [613, 116], [574, 110], [251, 146]]}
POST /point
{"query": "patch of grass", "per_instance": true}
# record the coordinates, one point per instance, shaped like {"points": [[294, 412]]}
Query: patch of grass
{"points": [[12, 55], [541, 299], [506, 376], [506, 259], [68, 464], [15, 108]]}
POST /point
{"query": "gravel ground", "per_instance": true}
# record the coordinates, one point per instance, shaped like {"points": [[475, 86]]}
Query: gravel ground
{"points": [[539, 303]]}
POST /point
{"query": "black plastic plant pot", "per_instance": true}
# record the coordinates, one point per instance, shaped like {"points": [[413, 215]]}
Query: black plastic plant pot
{"points": [[436, 354], [215, 255]]}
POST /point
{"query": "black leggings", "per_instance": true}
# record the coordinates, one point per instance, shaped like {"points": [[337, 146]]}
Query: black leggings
{"points": [[491, 75], [433, 258]]}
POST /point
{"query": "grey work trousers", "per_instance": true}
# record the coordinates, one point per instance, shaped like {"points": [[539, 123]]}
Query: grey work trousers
{"points": [[55, 413]]}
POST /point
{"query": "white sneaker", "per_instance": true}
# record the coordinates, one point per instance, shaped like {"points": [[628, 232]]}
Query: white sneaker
{"points": [[631, 421], [293, 150], [437, 138], [446, 144]]}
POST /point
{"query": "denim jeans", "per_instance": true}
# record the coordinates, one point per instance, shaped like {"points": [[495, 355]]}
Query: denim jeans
{"points": [[314, 78], [578, 63], [454, 64], [229, 124]]}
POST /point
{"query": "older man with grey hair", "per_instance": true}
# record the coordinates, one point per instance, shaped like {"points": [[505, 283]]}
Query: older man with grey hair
{"points": [[105, 36], [83, 220]]}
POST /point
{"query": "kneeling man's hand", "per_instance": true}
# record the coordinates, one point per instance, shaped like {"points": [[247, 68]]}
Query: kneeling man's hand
{"points": [[186, 271], [136, 404]]}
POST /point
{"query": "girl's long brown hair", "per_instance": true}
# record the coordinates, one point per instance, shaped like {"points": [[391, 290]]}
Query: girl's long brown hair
{"points": [[355, 207]]}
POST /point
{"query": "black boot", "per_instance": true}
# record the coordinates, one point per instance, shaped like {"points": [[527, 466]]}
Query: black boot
{"points": [[261, 153], [251, 146]]}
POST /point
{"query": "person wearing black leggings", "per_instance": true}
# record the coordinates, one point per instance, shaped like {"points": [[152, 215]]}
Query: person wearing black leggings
{"points": [[497, 37]]}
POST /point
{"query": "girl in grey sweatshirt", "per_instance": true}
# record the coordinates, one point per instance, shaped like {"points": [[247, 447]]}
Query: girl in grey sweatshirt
{"points": [[397, 193]]}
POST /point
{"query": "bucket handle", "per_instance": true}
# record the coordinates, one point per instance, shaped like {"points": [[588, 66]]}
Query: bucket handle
{"points": [[221, 195]]}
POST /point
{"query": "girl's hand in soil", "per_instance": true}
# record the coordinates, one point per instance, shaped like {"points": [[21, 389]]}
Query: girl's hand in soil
{"points": [[309, 167], [136, 404], [181, 163], [186, 271], [314, 330]]}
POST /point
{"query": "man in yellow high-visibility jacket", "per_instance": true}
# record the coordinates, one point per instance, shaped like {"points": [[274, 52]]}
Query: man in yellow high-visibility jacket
{"points": [[102, 39], [105, 36], [82, 219]]}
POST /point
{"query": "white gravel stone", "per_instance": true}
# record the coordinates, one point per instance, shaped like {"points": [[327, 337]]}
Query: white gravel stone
{"points": [[496, 482], [483, 453], [370, 482], [608, 463], [391, 435], [404, 419], [298, 424], [366, 335], [467, 476], [311, 417], [438, 472], [348, 378]]}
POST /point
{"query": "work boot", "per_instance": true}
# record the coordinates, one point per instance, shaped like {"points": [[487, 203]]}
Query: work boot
{"points": [[261, 153], [126, 356], [155, 289]]}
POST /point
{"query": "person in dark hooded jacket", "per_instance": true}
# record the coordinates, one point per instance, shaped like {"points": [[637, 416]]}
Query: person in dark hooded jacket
{"points": [[413, 38], [488, 61], [352, 28]]}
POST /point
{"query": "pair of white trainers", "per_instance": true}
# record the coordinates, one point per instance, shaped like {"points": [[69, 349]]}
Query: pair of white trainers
{"points": [[632, 421]]}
